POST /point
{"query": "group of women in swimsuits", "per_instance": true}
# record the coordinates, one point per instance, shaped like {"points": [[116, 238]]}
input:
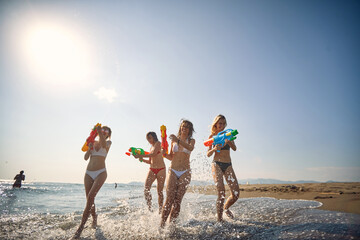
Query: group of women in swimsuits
{"points": [[179, 175]]}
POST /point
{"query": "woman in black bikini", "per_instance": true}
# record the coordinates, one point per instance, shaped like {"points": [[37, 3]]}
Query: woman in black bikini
{"points": [[221, 168], [157, 170]]}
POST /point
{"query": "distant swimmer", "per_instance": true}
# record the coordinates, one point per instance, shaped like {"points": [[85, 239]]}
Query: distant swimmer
{"points": [[18, 178], [115, 185]]}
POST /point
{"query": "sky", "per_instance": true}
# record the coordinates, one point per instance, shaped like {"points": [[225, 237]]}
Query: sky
{"points": [[284, 73]]}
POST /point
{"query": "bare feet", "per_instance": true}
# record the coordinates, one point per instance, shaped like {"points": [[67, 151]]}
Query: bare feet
{"points": [[229, 213], [94, 222], [78, 233], [162, 224]]}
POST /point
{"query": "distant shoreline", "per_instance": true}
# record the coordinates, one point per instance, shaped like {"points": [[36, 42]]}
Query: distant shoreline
{"points": [[335, 196]]}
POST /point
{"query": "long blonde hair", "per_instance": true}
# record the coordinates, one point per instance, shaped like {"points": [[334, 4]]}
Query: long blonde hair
{"points": [[190, 125], [216, 120]]}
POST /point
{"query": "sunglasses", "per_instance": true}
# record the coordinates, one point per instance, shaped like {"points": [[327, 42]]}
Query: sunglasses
{"points": [[105, 130]]}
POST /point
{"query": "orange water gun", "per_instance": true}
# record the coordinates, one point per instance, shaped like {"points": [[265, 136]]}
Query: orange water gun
{"points": [[135, 151], [164, 143], [91, 138]]}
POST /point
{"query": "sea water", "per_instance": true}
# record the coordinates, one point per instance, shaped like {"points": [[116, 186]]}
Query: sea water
{"points": [[54, 210]]}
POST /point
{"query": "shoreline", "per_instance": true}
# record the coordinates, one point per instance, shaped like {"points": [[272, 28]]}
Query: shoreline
{"points": [[342, 197]]}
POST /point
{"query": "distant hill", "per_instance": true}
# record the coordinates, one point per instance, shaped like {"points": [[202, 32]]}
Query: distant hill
{"points": [[271, 181], [255, 181]]}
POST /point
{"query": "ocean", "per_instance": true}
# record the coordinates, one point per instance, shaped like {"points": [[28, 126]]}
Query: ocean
{"points": [[54, 210]]}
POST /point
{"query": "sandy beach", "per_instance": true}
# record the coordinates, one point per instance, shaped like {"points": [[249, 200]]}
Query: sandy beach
{"points": [[343, 197]]}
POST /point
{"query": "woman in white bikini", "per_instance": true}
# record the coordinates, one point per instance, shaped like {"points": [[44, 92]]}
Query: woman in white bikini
{"points": [[179, 171], [157, 169], [221, 168], [95, 175]]}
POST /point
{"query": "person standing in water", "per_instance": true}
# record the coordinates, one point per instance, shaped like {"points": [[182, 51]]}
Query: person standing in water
{"points": [[95, 175], [179, 172], [157, 170], [18, 178], [222, 168]]}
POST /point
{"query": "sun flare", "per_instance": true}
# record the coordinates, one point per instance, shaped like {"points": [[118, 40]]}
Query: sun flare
{"points": [[56, 56]]}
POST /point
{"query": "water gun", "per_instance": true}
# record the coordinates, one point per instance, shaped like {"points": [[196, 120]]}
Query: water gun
{"points": [[135, 151], [91, 138], [164, 143], [220, 138]]}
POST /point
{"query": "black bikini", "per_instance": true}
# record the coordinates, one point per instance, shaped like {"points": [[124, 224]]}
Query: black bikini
{"points": [[226, 147], [223, 166]]}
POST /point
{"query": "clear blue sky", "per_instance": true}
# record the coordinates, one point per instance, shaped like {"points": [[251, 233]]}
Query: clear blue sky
{"points": [[284, 73]]}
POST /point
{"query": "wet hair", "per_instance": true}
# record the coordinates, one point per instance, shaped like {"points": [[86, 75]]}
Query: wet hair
{"points": [[190, 125], [106, 127], [216, 120], [154, 136]]}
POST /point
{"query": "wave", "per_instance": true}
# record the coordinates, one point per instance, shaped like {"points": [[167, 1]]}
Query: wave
{"points": [[255, 218]]}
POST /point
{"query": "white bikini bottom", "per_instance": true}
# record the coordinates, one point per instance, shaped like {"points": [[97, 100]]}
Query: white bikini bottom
{"points": [[95, 174], [179, 173]]}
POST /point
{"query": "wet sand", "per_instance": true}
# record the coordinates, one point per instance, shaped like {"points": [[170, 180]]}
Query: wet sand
{"points": [[343, 197]]}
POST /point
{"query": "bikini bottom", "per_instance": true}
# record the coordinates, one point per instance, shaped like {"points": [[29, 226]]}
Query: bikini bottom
{"points": [[95, 174], [179, 173], [156, 170], [223, 166]]}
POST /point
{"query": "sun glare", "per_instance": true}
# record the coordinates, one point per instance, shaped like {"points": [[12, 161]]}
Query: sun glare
{"points": [[56, 56]]}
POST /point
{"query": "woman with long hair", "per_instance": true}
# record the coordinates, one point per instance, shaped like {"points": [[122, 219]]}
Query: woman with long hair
{"points": [[95, 175], [222, 168], [179, 172], [157, 170]]}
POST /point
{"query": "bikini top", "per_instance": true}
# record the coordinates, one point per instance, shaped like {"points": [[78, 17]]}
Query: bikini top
{"points": [[176, 148], [102, 151], [226, 147]]}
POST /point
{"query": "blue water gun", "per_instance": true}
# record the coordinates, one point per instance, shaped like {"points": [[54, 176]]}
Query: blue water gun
{"points": [[220, 138]]}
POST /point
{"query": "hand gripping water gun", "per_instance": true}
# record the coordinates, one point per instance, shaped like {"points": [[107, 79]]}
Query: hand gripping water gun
{"points": [[135, 151], [164, 143], [91, 138], [220, 138]]}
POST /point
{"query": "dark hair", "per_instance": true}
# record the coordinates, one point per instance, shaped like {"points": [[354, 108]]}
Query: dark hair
{"points": [[22, 171], [153, 134], [190, 125]]}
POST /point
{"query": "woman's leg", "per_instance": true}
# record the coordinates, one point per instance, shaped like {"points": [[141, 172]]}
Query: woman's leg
{"points": [[233, 184], [161, 176], [148, 182], [98, 182], [183, 182], [88, 182], [170, 196], [219, 183]]}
